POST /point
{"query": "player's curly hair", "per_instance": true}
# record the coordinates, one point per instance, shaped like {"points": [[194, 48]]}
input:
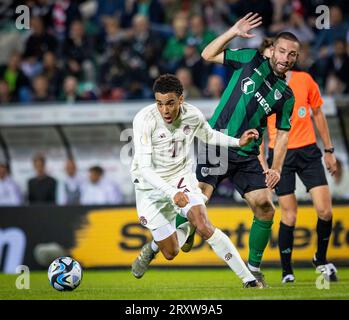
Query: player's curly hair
{"points": [[167, 83]]}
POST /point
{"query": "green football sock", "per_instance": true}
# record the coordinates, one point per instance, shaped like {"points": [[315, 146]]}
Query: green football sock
{"points": [[259, 237]]}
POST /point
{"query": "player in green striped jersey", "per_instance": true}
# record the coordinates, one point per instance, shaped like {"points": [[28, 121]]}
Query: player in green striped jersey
{"points": [[256, 90]]}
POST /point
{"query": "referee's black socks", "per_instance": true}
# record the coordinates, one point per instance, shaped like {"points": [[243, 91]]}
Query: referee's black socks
{"points": [[323, 230], [285, 247]]}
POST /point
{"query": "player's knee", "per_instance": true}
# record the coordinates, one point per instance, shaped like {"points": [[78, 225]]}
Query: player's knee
{"points": [[170, 254], [289, 218], [203, 226], [265, 209], [205, 229], [206, 189], [289, 215], [325, 214]]}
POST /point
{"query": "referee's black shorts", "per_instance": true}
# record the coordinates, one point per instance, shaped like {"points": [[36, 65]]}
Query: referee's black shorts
{"points": [[306, 162]]}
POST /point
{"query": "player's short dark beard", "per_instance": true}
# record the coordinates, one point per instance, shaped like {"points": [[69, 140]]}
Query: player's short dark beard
{"points": [[273, 66]]}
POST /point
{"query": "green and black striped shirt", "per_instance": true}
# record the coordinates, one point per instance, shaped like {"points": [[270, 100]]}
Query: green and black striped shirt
{"points": [[253, 93]]}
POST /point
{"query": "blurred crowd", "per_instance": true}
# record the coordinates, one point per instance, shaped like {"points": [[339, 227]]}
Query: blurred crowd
{"points": [[112, 50], [96, 188], [73, 189]]}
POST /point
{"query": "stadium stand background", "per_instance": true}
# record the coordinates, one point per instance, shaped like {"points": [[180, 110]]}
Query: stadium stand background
{"points": [[70, 85]]}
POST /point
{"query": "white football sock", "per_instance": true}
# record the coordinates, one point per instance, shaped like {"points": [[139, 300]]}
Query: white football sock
{"points": [[224, 248], [154, 246]]}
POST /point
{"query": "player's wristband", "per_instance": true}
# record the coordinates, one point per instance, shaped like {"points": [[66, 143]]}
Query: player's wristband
{"points": [[329, 150]]}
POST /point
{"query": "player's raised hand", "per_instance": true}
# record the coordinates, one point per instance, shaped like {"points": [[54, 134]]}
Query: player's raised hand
{"points": [[243, 26], [272, 177], [181, 199], [248, 136]]}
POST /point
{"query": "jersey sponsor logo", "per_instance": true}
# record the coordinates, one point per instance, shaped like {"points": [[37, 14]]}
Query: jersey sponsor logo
{"points": [[302, 112], [277, 94], [247, 85], [263, 102], [161, 134]]}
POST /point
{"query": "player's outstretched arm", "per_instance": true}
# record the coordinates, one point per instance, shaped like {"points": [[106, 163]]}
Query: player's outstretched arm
{"points": [[214, 137], [214, 50], [248, 136]]}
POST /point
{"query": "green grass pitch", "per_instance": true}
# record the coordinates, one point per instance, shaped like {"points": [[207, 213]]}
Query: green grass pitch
{"points": [[168, 284]]}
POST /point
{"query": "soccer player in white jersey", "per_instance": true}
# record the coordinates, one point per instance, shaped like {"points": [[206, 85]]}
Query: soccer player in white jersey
{"points": [[165, 184]]}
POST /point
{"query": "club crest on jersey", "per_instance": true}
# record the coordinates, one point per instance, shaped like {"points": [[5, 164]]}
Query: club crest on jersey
{"points": [[186, 129], [277, 94], [205, 171], [302, 111], [247, 85]]}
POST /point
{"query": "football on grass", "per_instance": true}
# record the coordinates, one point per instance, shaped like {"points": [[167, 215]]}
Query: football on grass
{"points": [[65, 274]]}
